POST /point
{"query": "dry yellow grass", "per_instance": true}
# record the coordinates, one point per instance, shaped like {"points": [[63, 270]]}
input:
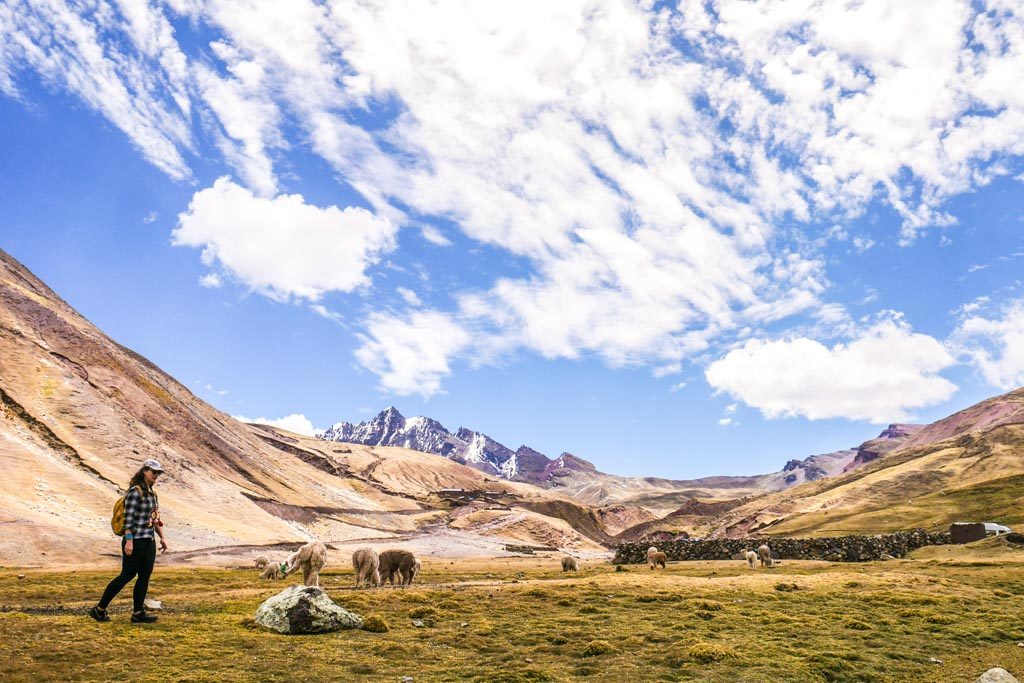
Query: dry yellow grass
{"points": [[523, 620]]}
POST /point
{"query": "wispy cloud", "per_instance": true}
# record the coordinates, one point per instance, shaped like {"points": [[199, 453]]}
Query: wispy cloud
{"points": [[638, 160]]}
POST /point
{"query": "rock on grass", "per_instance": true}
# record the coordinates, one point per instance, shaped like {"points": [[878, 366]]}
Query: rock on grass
{"points": [[304, 609]]}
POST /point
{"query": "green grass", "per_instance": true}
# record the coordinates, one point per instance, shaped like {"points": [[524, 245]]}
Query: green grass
{"points": [[524, 621]]}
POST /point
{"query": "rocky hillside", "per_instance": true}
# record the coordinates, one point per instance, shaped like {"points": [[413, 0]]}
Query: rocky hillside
{"points": [[79, 413], [969, 466]]}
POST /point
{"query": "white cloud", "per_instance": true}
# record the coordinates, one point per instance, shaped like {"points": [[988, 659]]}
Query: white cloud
{"points": [[214, 390], [327, 313], [144, 91], [410, 297], [677, 387], [995, 345], [283, 246], [724, 422], [972, 306], [434, 236], [411, 355], [210, 280], [637, 160], [880, 376], [862, 244], [149, 218], [296, 422]]}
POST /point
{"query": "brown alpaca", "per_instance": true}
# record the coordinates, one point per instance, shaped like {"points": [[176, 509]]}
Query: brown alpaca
{"points": [[311, 558], [570, 564], [655, 557], [400, 562], [271, 571], [765, 554], [261, 562], [367, 566]]}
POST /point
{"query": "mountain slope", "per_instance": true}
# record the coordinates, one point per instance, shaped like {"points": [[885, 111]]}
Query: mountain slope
{"points": [[969, 466], [80, 413]]}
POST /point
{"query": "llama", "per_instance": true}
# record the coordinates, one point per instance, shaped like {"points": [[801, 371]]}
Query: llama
{"points": [[751, 558], [366, 563], [311, 558], [765, 554], [261, 561], [655, 558], [570, 564], [400, 562]]}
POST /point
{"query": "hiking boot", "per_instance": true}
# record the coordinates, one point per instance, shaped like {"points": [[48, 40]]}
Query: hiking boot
{"points": [[98, 614], [143, 618]]}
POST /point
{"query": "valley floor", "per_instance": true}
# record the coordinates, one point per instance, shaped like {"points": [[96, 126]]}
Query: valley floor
{"points": [[948, 614]]}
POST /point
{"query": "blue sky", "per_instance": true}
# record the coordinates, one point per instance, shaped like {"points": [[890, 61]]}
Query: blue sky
{"points": [[673, 241]]}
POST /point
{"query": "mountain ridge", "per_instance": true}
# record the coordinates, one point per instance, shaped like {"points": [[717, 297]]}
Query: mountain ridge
{"points": [[581, 478]]}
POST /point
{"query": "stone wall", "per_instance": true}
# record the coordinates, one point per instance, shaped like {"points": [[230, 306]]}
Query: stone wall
{"points": [[836, 548]]}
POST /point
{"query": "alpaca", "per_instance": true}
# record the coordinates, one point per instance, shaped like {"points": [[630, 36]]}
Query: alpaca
{"points": [[765, 554], [311, 558], [367, 566], [400, 562], [751, 558], [271, 571], [416, 567], [570, 564], [261, 562], [656, 557]]}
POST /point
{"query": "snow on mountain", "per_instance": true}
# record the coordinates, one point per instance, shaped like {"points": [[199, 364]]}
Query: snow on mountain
{"points": [[390, 428]]}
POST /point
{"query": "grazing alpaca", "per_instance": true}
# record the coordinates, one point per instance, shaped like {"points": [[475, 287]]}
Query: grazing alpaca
{"points": [[416, 567], [261, 562], [570, 564], [400, 562], [367, 565], [766, 556], [656, 557], [271, 571], [751, 558], [311, 558]]}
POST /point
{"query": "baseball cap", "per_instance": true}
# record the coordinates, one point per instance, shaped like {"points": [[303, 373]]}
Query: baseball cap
{"points": [[153, 465]]}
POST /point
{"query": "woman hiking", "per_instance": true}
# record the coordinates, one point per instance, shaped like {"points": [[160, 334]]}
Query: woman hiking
{"points": [[138, 547]]}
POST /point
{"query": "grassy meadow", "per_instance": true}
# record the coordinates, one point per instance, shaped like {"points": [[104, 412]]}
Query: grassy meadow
{"points": [[522, 620]]}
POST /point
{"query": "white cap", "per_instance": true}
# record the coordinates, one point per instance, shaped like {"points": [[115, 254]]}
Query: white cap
{"points": [[153, 465]]}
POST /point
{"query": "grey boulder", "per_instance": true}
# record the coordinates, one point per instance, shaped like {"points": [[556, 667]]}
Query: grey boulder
{"points": [[304, 609], [996, 675]]}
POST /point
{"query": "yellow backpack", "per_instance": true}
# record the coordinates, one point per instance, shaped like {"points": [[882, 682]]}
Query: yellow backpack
{"points": [[117, 519]]}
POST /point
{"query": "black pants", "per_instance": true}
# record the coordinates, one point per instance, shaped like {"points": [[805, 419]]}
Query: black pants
{"points": [[139, 563]]}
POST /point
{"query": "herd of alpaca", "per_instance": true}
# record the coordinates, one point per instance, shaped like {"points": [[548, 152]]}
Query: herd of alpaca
{"points": [[310, 558], [656, 558], [370, 568]]}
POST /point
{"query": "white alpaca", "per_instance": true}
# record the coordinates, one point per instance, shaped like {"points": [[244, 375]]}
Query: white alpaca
{"points": [[765, 554], [261, 562], [751, 558], [311, 558]]}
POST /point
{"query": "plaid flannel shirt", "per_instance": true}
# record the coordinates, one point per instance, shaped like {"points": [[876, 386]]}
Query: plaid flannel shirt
{"points": [[140, 512]]}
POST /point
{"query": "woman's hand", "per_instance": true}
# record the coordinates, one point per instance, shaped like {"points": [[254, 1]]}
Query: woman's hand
{"points": [[128, 547], [163, 545]]}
